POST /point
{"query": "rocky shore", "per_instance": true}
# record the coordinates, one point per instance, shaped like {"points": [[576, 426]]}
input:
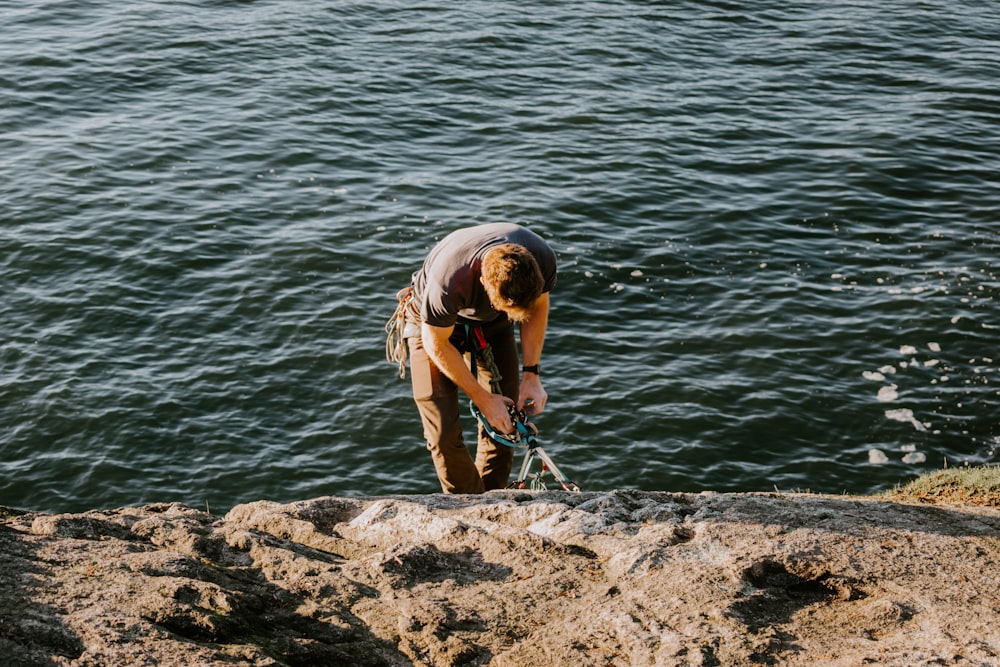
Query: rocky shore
{"points": [[511, 578]]}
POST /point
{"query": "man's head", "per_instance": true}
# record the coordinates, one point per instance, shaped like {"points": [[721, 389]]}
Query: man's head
{"points": [[512, 279]]}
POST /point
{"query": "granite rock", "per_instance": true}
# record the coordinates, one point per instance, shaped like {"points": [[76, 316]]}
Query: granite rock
{"points": [[510, 578]]}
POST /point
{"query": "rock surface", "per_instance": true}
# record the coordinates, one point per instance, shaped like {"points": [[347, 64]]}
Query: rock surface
{"points": [[511, 578]]}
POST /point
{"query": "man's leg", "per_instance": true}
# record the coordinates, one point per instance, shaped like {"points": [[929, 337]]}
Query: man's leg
{"points": [[494, 460], [437, 401]]}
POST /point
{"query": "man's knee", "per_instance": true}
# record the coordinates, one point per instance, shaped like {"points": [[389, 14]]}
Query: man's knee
{"points": [[455, 468]]}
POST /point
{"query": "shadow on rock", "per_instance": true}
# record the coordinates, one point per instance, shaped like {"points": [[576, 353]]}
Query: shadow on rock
{"points": [[30, 633]]}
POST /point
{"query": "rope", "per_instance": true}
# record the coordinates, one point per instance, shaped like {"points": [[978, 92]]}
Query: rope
{"points": [[479, 345], [395, 343]]}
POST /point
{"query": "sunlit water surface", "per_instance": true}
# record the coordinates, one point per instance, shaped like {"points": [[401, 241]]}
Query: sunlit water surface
{"points": [[778, 228]]}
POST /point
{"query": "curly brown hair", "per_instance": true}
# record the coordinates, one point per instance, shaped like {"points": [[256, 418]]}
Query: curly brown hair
{"points": [[512, 278]]}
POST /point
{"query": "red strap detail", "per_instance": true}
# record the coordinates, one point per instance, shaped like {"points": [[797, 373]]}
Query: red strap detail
{"points": [[480, 338]]}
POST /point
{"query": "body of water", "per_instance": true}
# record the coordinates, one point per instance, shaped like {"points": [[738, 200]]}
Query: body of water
{"points": [[778, 228]]}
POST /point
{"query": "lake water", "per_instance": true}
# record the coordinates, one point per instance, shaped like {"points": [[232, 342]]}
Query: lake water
{"points": [[778, 228]]}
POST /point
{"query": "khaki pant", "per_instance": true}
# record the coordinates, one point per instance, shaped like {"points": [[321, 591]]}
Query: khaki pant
{"points": [[440, 407]]}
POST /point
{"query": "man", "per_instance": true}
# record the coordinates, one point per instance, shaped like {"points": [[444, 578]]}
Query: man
{"points": [[489, 276]]}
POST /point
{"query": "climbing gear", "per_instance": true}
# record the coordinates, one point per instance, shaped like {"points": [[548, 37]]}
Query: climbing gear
{"points": [[536, 480], [525, 434], [476, 341], [400, 327], [522, 429]]}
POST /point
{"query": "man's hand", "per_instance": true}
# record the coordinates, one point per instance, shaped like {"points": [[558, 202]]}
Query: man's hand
{"points": [[494, 409], [531, 395]]}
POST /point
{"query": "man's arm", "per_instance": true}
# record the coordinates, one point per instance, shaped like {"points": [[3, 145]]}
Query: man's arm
{"points": [[532, 339], [451, 362]]}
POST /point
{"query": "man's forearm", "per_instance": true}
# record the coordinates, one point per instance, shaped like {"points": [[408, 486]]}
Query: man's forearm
{"points": [[450, 361], [533, 331]]}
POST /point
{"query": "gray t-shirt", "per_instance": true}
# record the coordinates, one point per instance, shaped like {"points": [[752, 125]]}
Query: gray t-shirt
{"points": [[447, 287]]}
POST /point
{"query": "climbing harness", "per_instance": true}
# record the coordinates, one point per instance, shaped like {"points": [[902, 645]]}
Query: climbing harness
{"points": [[406, 315], [525, 434]]}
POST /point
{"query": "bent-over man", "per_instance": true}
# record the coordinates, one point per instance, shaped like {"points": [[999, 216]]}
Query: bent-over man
{"points": [[474, 285]]}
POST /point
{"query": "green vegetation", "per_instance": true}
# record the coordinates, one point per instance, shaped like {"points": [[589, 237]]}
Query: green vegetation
{"points": [[976, 486]]}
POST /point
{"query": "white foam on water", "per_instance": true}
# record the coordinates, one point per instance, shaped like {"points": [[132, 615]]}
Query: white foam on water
{"points": [[934, 347], [875, 376], [907, 350], [915, 457], [877, 457], [890, 370], [888, 394], [905, 415]]}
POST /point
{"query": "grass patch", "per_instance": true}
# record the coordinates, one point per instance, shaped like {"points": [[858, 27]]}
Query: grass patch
{"points": [[978, 485]]}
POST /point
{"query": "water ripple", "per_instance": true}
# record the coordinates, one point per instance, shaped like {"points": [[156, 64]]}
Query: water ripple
{"points": [[209, 208]]}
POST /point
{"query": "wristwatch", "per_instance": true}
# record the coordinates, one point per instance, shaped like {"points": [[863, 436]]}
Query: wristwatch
{"points": [[536, 369]]}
